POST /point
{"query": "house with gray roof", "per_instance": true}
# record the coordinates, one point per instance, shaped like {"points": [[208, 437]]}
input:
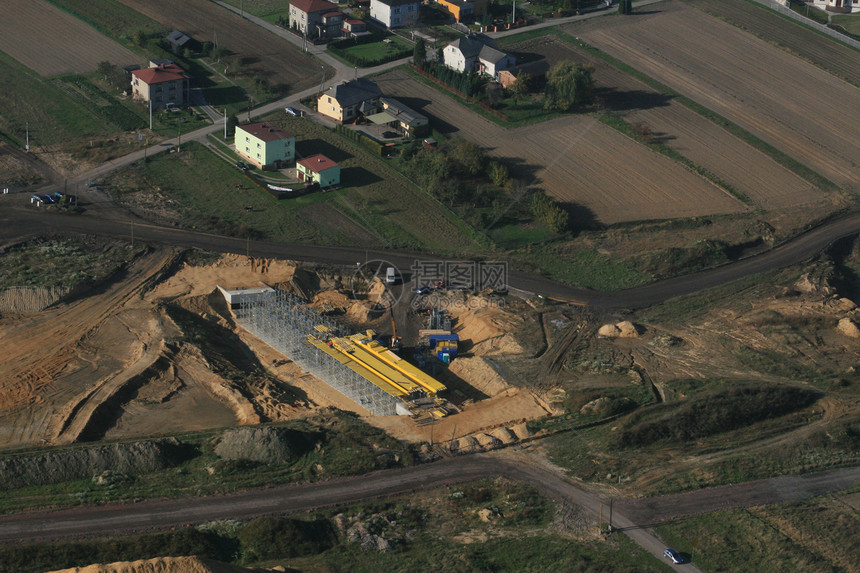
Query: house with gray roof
{"points": [[477, 54], [346, 101]]}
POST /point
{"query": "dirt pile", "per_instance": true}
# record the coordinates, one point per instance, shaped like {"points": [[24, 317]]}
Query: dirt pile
{"points": [[161, 565], [488, 329], [264, 445], [132, 458], [848, 327], [479, 373], [624, 329]]}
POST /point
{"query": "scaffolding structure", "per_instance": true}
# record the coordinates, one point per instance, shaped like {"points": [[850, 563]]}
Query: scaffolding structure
{"points": [[283, 321]]}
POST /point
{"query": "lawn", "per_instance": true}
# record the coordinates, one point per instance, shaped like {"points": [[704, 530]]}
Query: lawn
{"points": [[268, 10], [851, 22], [372, 53]]}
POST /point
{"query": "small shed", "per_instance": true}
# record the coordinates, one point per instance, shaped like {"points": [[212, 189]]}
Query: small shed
{"points": [[319, 169], [181, 41]]}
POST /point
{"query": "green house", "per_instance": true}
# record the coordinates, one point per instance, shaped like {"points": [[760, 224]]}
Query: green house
{"points": [[319, 169], [265, 145]]}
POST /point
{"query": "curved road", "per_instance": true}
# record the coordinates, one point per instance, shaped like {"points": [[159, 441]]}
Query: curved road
{"points": [[165, 514], [17, 222]]}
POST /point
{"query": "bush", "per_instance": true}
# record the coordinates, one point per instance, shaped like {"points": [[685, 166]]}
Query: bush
{"points": [[548, 211], [283, 538]]}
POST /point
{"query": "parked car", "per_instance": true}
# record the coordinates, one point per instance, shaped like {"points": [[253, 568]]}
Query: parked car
{"points": [[293, 111], [423, 290], [48, 199], [242, 165], [673, 555], [438, 284]]}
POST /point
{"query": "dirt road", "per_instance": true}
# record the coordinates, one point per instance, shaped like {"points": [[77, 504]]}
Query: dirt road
{"points": [[155, 515], [19, 222]]}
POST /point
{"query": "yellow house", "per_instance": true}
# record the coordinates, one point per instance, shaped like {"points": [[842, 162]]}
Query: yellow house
{"points": [[264, 145], [347, 101], [465, 10], [318, 169]]}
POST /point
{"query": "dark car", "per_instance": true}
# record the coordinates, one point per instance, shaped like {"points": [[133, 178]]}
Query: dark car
{"points": [[242, 165], [293, 111], [423, 290], [389, 134], [48, 199]]}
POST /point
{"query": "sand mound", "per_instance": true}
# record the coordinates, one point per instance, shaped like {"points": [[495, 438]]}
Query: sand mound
{"points": [[624, 329], [608, 331], [229, 271], [504, 435], [264, 445], [333, 298], [161, 565], [848, 327], [522, 431], [479, 375]]}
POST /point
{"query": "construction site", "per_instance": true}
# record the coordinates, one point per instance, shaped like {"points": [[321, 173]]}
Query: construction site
{"points": [[359, 366]]}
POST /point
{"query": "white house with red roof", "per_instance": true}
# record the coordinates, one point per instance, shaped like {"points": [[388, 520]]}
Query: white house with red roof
{"points": [[264, 145], [319, 169], [161, 84], [316, 18]]}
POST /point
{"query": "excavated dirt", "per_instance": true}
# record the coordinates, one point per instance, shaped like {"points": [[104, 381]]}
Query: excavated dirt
{"points": [[162, 565]]}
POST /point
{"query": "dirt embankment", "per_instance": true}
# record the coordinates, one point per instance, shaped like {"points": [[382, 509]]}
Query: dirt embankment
{"points": [[162, 565], [60, 466]]}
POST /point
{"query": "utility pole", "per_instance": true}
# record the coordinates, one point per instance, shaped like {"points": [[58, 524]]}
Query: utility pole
{"points": [[150, 112], [225, 124], [610, 515], [27, 146], [132, 234]]}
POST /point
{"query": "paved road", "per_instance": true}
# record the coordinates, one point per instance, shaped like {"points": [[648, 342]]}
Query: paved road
{"points": [[165, 514]]}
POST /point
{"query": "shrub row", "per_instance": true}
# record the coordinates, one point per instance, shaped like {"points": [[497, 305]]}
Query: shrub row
{"points": [[360, 138]]}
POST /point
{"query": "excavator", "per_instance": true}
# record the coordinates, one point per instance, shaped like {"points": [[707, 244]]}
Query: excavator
{"points": [[396, 344]]}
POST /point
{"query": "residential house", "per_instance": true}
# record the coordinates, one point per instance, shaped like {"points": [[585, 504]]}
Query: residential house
{"points": [[841, 6], [161, 85], [354, 28], [476, 54], [465, 10], [347, 101], [536, 71], [319, 169], [395, 13], [264, 145], [316, 18], [402, 118]]}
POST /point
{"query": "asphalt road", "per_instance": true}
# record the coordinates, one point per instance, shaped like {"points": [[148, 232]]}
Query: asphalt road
{"points": [[167, 514]]}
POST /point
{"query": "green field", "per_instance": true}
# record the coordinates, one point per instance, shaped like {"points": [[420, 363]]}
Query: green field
{"points": [[113, 19], [817, 535], [268, 10], [372, 53], [851, 22], [54, 117]]}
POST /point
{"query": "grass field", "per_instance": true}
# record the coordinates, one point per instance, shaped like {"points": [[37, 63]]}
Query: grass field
{"points": [[376, 207], [54, 117], [268, 10], [851, 22], [818, 535]]}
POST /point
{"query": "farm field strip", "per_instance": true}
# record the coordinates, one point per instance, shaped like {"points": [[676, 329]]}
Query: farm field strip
{"points": [[261, 52], [739, 164], [818, 49], [51, 41], [577, 160], [780, 98]]}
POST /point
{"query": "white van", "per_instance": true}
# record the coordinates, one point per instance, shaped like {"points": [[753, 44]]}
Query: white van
{"points": [[391, 275]]}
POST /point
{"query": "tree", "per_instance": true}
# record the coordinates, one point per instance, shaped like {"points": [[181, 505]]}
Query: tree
{"points": [[520, 87], [468, 157], [568, 84], [440, 55], [625, 7], [232, 122], [419, 54], [498, 173]]}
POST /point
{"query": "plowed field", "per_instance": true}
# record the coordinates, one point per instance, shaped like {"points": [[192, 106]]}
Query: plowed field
{"points": [[796, 107], [748, 170], [577, 159], [261, 51], [40, 36]]}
